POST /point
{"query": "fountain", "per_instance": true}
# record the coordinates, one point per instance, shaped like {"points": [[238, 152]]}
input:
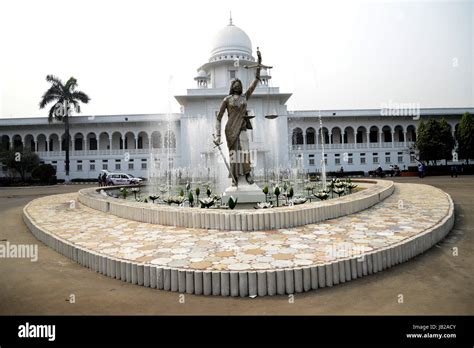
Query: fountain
{"points": [[323, 161]]}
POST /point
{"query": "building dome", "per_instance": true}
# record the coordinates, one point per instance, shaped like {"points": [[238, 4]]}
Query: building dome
{"points": [[233, 42], [202, 73]]}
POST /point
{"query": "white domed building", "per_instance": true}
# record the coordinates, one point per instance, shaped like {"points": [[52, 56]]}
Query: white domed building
{"points": [[231, 51], [358, 140]]}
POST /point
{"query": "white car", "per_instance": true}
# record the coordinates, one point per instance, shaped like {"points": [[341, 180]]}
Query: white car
{"points": [[122, 179]]}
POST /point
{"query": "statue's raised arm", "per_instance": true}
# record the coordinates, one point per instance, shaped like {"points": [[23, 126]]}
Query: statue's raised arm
{"points": [[255, 82]]}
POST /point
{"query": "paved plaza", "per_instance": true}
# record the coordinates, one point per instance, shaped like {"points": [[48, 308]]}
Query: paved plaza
{"points": [[401, 216]]}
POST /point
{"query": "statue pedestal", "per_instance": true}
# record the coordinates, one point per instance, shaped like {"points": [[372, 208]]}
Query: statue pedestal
{"points": [[245, 193]]}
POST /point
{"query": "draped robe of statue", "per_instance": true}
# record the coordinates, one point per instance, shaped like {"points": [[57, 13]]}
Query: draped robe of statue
{"points": [[236, 130]]}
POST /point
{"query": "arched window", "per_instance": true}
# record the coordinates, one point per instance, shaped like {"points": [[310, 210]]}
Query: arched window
{"points": [[411, 133], [361, 136], [92, 141], [374, 134], [143, 141], [387, 134], [54, 143], [398, 134], [5, 145], [348, 135], [78, 141], [17, 142], [156, 140], [336, 135], [310, 136], [297, 138]]}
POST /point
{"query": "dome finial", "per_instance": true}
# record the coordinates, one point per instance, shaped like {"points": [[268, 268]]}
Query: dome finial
{"points": [[230, 18]]}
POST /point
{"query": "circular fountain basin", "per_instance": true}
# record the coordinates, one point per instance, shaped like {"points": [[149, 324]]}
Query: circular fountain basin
{"points": [[243, 219], [245, 263]]}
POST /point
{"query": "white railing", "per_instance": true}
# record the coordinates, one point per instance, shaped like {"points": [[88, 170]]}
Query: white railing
{"points": [[348, 146], [81, 153]]}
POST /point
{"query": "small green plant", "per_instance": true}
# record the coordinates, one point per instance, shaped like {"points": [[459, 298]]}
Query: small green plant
{"points": [[153, 198], [207, 202], [191, 199], [338, 190], [198, 191], [265, 190], [174, 199], [208, 191], [322, 195], [350, 185], [181, 193], [135, 190], [124, 192], [291, 192], [276, 191], [263, 205], [232, 202]]}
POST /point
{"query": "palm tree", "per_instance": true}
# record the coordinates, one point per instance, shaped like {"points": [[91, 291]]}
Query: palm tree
{"points": [[64, 96]]}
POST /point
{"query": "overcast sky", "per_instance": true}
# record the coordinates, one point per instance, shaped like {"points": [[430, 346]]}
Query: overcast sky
{"points": [[131, 56]]}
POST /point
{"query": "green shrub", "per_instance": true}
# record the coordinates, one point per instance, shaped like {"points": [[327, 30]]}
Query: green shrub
{"points": [[45, 173]]}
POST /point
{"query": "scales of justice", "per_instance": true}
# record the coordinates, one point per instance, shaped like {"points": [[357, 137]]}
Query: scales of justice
{"points": [[239, 166]]}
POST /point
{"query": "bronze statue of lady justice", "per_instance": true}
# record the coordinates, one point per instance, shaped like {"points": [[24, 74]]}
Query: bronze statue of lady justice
{"points": [[236, 128]]}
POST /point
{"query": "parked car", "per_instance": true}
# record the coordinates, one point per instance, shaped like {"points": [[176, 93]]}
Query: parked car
{"points": [[122, 179]]}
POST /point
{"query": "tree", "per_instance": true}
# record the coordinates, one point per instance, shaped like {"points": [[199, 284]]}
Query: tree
{"points": [[446, 139], [20, 162], [465, 137], [422, 141], [65, 97], [434, 140]]}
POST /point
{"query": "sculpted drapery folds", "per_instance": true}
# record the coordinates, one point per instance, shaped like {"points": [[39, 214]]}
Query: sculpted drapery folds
{"points": [[236, 127]]}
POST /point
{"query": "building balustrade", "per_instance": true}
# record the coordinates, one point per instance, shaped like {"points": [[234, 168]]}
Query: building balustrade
{"points": [[80, 153], [348, 146]]}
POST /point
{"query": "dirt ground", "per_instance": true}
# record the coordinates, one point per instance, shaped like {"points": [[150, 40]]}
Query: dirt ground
{"points": [[436, 282]]}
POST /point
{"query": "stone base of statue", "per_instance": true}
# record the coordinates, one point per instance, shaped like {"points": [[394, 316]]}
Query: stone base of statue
{"points": [[245, 192]]}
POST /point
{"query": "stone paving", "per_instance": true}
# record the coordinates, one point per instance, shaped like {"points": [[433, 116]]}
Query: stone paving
{"points": [[409, 211]]}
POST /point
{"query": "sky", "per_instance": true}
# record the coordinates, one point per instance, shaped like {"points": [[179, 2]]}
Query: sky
{"points": [[132, 57]]}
